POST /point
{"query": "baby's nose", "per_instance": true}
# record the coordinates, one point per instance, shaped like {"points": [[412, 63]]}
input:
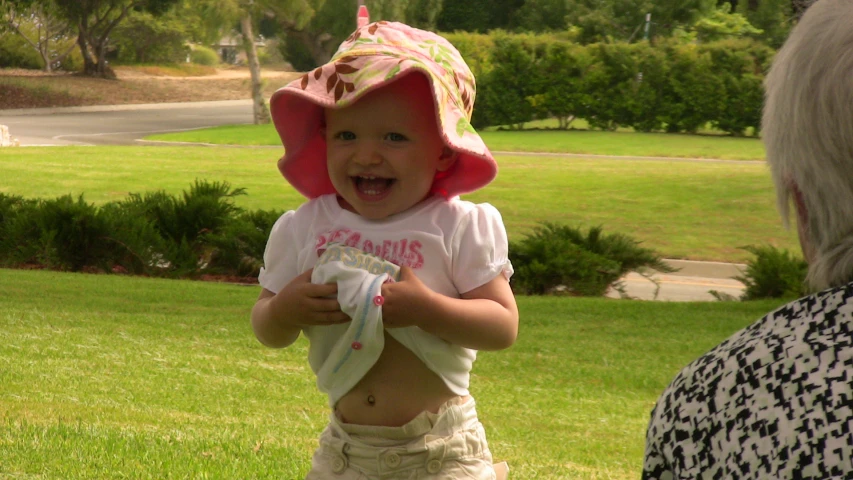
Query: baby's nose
{"points": [[367, 155]]}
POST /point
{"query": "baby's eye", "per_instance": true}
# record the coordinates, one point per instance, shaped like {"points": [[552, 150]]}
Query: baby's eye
{"points": [[345, 135], [396, 137]]}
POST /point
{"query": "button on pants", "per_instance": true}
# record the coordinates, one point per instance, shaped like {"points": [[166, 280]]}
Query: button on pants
{"points": [[450, 444]]}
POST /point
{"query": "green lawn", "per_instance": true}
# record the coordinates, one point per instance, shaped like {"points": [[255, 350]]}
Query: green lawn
{"points": [[693, 210], [550, 141], [119, 377]]}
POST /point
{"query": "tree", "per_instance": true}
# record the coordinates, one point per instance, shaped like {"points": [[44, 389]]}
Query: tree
{"points": [[259, 106], [774, 17], [206, 20], [668, 15], [542, 15], [41, 28], [212, 17], [724, 24], [313, 31], [95, 20], [608, 20], [799, 7], [466, 15], [144, 38], [478, 15]]}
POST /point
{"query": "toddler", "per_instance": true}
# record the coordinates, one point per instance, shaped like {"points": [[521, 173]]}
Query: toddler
{"points": [[395, 281]]}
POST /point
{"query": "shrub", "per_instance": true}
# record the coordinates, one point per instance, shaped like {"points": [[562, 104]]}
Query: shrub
{"points": [[11, 207], [239, 248], [62, 233], [740, 64], [609, 86], [296, 53], [563, 68], [186, 222], [73, 62], [143, 38], [69, 234], [773, 273], [204, 56], [15, 52], [9, 204], [509, 87], [475, 48], [200, 231], [555, 256], [137, 246], [695, 93], [672, 85]]}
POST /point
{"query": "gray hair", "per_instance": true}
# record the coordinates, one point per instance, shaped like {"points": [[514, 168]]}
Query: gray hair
{"points": [[807, 128]]}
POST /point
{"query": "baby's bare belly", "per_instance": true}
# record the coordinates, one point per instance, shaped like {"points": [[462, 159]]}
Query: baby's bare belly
{"points": [[394, 391]]}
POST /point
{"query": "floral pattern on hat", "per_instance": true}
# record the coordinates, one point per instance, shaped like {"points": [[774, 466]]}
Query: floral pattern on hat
{"points": [[371, 57]]}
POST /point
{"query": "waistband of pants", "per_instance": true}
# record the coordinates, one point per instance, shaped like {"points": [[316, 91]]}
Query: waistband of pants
{"points": [[456, 414], [428, 440]]}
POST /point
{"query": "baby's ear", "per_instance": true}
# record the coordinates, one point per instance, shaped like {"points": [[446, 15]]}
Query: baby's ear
{"points": [[447, 159]]}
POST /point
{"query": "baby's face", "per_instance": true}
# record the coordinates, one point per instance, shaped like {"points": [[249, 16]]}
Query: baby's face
{"points": [[385, 149]]}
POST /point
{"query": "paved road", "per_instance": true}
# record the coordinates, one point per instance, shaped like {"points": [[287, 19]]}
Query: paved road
{"points": [[126, 124], [118, 125]]}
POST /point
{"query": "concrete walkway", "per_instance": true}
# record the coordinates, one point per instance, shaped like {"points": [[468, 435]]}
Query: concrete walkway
{"points": [[693, 282]]}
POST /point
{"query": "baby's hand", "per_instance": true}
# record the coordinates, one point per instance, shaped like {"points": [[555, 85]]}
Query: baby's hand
{"points": [[302, 303], [407, 302]]}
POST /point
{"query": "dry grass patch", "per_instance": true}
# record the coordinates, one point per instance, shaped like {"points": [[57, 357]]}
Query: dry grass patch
{"points": [[137, 85], [21, 93], [188, 70]]}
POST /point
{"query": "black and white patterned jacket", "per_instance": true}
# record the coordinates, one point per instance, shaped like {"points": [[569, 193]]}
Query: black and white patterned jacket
{"points": [[775, 400]]}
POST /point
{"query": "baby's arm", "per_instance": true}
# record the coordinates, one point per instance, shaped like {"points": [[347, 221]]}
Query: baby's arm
{"points": [[278, 318], [486, 318]]}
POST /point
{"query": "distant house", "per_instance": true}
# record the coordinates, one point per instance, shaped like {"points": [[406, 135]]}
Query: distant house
{"points": [[230, 49]]}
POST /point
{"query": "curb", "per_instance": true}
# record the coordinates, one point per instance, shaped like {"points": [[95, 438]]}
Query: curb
{"points": [[17, 112], [622, 157]]}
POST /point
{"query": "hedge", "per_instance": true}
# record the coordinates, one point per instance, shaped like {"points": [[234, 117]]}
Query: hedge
{"points": [[669, 86], [202, 233]]}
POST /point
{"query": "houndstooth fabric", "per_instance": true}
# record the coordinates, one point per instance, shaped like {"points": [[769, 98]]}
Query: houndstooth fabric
{"points": [[775, 400]]}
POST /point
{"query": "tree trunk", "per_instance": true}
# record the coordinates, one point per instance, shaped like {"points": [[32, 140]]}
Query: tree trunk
{"points": [[90, 68], [318, 45], [94, 50], [259, 106]]}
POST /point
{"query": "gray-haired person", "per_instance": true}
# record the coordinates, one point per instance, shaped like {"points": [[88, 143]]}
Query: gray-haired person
{"points": [[775, 400]]}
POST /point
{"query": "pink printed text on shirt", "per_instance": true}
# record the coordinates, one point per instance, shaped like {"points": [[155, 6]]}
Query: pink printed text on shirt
{"points": [[403, 252]]}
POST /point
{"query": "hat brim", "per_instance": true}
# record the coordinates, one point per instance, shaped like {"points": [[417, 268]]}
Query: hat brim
{"points": [[298, 115]]}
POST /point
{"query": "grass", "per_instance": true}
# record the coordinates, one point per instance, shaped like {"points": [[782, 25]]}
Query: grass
{"points": [[692, 210], [116, 377], [540, 141]]}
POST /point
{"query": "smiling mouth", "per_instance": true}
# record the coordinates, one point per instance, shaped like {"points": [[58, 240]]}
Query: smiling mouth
{"points": [[372, 186]]}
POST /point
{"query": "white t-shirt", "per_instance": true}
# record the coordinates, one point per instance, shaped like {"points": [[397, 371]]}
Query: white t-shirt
{"points": [[453, 246]]}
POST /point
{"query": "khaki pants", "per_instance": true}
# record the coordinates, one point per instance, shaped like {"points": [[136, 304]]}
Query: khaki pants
{"points": [[450, 444]]}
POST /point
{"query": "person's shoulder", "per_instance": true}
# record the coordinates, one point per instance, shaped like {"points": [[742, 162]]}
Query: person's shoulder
{"points": [[303, 218], [457, 210], [314, 205], [313, 209], [456, 204], [734, 356]]}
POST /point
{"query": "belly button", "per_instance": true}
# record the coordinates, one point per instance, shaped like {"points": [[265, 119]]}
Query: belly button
{"points": [[371, 400]]}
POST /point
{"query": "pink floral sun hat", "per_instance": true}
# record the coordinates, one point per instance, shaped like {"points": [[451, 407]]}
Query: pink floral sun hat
{"points": [[373, 56]]}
